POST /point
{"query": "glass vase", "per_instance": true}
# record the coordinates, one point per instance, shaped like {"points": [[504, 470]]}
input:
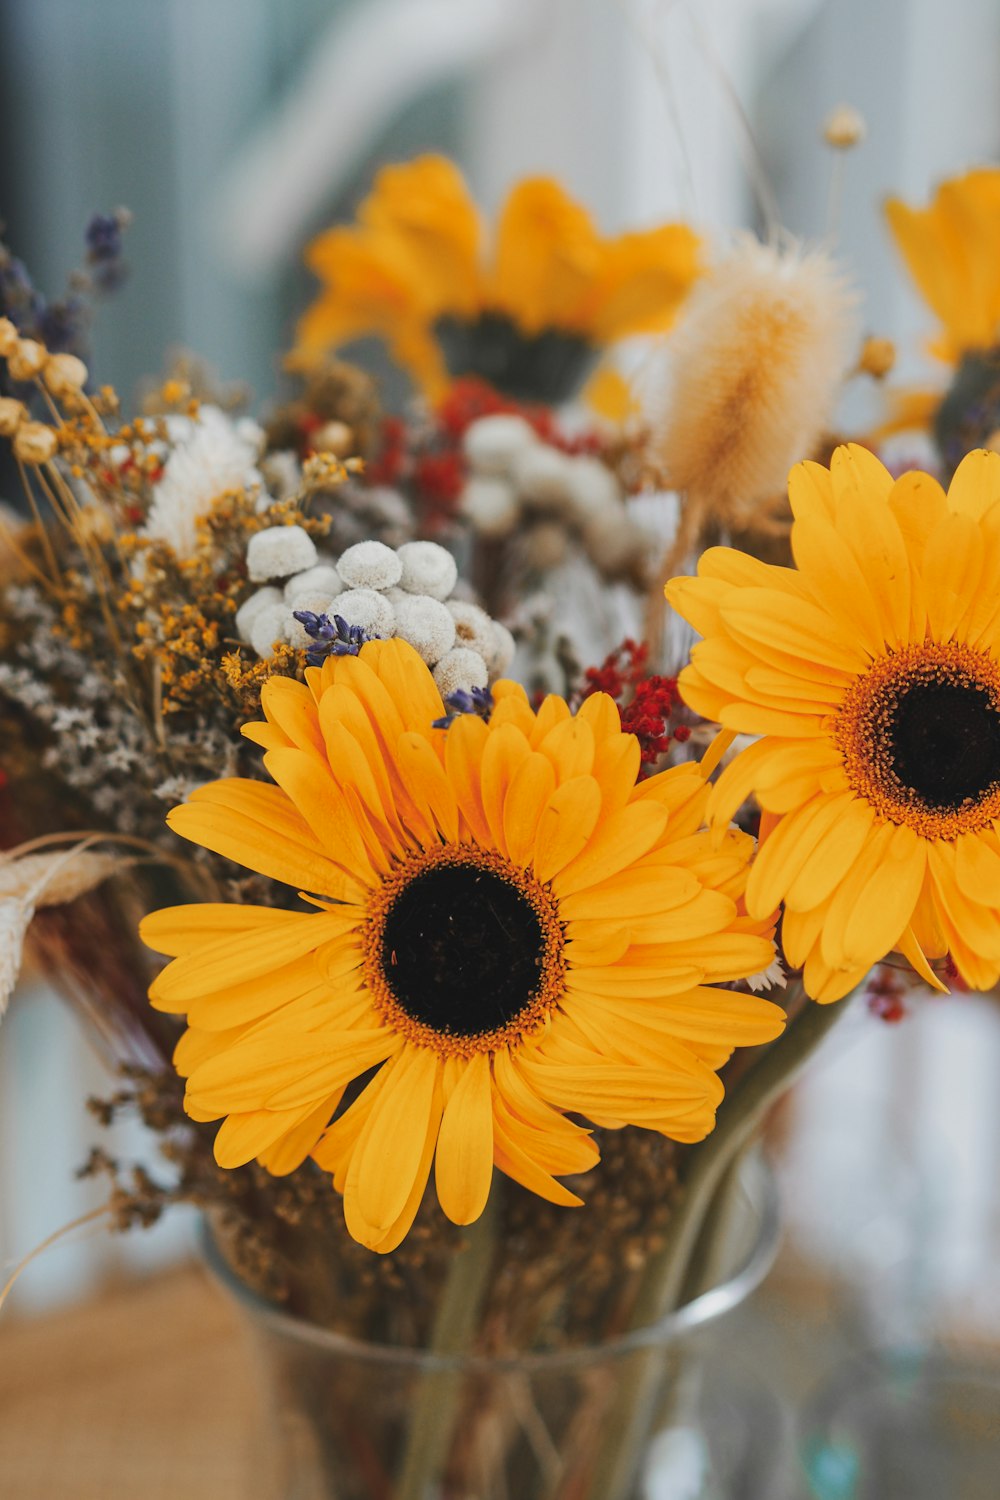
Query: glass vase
{"points": [[650, 1414]]}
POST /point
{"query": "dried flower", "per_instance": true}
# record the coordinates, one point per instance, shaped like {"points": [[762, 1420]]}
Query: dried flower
{"points": [[12, 414], [65, 375], [877, 357], [278, 551], [844, 127], [26, 359], [756, 363], [370, 565], [34, 443]]}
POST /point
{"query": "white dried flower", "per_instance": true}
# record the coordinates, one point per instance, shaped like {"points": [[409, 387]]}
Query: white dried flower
{"points": [[503, 653], [370, 565], [491, 505], [427, 569], [15, 919], [594, 488], [543, 476], [545, 546], [278, 551], [365, 607], [323, 578], [269, 627], [252, 607], [427, 624], [282, 473], [473, 627], [460, 670], [209, 456], [491, 443]]}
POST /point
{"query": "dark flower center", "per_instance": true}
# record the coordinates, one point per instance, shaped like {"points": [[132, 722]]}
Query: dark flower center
{"points": [[945, 739], [463, 950], [548, 366]]}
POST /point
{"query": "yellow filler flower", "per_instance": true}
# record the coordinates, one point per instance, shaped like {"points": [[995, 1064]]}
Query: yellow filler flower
{"points": [[416, 270], [950, 249], [872, 675], [508, 928]]}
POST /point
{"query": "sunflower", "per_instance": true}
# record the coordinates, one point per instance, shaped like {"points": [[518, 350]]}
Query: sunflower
{"points": [[508, 928], [415, 271], [872, 676], [950, 249]]}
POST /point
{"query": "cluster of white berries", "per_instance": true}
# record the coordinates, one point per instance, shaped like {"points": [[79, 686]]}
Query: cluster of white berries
{"points": [[403, 591], [519, 483]]}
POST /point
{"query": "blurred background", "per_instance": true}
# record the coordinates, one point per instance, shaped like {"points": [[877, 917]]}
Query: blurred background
{"points": [[236, 129]]}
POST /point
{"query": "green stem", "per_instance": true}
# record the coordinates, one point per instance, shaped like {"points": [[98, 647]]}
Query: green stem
{"points": [[436, 1402], [739, 1117]]}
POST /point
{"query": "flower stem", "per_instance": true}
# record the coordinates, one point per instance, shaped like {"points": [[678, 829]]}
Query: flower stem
{"points": [[436, 1401], [673, 1273]]}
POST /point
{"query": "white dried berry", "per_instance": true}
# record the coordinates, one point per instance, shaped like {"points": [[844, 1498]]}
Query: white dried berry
{"points": [[427, 569], [278, 551], [323, 578], [366, 608], [370, 565], [542, 476], [269, 627], [594, 489], [504, 651], [427, 624], [490, 505], [252, 607], [460, 670], [473, 627], [491, 443]]}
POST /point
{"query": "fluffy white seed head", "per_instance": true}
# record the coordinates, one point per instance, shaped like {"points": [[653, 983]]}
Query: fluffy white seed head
{"points": [[365, 607], [427, 624], [427, 569], [323, 578], [370, 565], [491, 443], [756, 362], [491, 505], [269, 626], [249, 610], [460, 670], [278, 551]]}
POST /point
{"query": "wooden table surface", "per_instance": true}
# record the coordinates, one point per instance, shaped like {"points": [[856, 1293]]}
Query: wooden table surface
{"points": [[146, 1393]]}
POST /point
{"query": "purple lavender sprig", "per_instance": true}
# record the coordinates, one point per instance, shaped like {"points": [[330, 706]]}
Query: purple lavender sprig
{"points": [[476, 701], [331, 636]]}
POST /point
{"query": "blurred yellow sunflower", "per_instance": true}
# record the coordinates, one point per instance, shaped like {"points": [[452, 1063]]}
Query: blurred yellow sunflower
{"points": [[872, 675], [527, 314], [950, 249], [508, 928]]}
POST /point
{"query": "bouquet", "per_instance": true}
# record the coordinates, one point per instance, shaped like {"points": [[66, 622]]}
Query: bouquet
{"points": [[497, 914]]}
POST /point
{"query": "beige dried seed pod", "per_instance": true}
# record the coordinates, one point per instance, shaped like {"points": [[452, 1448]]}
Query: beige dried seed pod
{"points": [[34, 443], [12, 414], [65, 375], [26, 359]]}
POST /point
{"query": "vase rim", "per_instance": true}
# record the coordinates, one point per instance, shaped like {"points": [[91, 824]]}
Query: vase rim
{"points": [[756, 1177]]}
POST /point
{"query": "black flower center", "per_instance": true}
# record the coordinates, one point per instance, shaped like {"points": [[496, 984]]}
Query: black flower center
{"points": [[945, 739], [462, 950], [548, 366]]}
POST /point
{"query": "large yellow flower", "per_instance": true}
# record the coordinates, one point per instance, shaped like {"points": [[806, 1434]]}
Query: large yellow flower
{"points": [[418, 257], [950, 249], [872, 675], [508, 929]]}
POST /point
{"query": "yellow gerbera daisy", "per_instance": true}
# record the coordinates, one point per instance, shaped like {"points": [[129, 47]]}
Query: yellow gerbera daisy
{"points": [[950, 249], [508, 928], [872, 675], [417, 271]]}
